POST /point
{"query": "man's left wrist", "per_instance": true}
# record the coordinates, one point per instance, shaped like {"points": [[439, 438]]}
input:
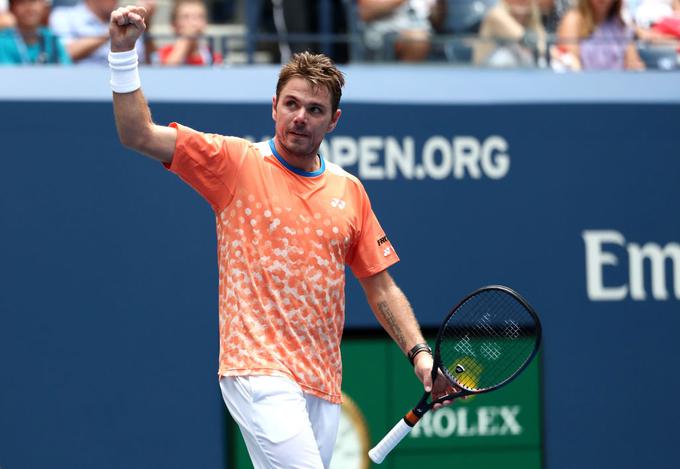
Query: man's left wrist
{"points": [[418, 349]]}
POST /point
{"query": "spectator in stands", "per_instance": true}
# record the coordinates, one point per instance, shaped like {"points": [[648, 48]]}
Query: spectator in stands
{"points": [[295, 17], [404, 25], [30, 43], [189, 20], [6, 18], [552, 12], [222, 11], [293, 23], [84, 28], [648, 14], [593, 36], [511, 35], [657, 26]]}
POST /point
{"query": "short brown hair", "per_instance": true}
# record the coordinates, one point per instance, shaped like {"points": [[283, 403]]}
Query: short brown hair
{"points": [[317, 69]]}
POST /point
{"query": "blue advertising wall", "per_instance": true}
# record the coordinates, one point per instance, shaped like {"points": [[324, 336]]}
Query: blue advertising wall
{"points": [[108, 286]]}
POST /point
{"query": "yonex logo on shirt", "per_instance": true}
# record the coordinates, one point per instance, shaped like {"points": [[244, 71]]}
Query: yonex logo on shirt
{"points": [[338, 203]]}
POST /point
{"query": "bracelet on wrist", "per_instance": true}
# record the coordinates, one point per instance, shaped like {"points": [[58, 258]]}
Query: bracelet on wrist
{"points": [[418, 348]]}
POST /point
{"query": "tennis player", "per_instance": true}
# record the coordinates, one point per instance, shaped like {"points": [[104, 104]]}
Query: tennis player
{"points": [[287, 224]]}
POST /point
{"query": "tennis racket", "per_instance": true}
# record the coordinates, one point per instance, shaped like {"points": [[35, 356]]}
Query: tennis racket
{"points": [[483, 344]]}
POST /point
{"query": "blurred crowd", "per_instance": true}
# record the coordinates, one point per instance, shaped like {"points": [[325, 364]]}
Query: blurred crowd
{"points": [[565, 35]]}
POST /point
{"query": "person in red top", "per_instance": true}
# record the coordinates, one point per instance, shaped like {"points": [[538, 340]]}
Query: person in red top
{"points": [[287, 224], [189, 20]]}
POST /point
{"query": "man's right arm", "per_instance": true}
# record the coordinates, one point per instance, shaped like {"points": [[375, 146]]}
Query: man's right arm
{"points": [[135, 126], [136, 130]]}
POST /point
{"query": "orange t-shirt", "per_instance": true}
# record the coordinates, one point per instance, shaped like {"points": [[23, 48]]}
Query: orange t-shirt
{"points": [[284, 237]]}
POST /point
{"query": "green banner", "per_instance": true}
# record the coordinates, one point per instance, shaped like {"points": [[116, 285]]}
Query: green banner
{"points": [[500, 429]]}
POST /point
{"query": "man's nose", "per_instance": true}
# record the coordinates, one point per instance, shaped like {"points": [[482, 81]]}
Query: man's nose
{"points": [[300, 115]]}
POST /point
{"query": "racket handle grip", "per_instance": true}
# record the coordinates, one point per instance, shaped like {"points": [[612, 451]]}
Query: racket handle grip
{"points": [[389, 441]]}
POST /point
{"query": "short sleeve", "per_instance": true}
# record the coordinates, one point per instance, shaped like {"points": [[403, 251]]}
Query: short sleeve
{"points": [[372, 252], [209, 163]]}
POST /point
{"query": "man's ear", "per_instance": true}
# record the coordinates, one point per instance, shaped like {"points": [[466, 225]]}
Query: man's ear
{"points": [[334, 120], [274, 108]]}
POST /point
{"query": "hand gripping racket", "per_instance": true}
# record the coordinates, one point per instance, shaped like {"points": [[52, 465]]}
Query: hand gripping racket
{"points": [[483, 344]]}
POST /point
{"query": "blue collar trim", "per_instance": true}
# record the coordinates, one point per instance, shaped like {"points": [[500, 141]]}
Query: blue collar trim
{"points": [[293, 168]]}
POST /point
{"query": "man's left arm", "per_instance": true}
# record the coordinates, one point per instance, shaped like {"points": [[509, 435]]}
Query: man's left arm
{"points": [[393, 311]]}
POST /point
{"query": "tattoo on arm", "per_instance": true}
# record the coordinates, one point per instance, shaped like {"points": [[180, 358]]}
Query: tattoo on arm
{"points": [[384, 309]]}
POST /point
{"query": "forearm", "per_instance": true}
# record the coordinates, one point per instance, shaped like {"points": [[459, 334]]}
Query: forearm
{"points": [[81, 48], [570, 48], [396, 315], [568, 37], [393, 311], [506, 26], [135, 127]]}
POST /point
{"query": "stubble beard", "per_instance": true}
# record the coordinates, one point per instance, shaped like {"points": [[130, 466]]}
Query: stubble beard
{"points": [[303, 151]]}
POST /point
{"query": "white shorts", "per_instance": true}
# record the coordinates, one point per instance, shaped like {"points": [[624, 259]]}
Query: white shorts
{"points": [[282, 426]]}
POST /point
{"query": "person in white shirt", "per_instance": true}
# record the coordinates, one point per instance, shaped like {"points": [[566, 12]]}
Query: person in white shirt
{"points": [[402, 24], [84, 29]]}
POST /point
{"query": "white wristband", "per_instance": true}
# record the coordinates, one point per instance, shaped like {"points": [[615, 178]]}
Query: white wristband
{"points": [[124, 71]]}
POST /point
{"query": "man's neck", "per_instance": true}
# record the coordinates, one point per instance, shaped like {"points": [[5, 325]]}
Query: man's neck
{"points": [[309, 163]]}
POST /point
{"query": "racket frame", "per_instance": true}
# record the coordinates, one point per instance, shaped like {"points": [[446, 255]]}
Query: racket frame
{"points": [[438, 365], [423, 406], [404, 425]]}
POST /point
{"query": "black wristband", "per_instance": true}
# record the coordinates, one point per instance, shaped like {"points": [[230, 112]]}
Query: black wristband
{"points": [[417, 348]]}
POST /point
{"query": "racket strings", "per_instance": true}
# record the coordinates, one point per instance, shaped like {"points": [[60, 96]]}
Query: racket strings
{"points": [[501, 352], [487, 340], [475, 373], [491, 343]]}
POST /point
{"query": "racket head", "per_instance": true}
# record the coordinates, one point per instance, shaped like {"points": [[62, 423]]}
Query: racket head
{"points": [[486, 341]]}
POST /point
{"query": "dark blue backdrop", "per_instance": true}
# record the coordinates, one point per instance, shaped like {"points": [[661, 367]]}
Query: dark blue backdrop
{"points": [[108, 287]]}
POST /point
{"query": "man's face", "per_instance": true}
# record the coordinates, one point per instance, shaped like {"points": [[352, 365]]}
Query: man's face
{"points": [[303, 115], [29, 13]]}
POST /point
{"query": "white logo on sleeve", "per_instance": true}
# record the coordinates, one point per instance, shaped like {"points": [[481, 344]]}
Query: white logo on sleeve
{"points": [[387, 252]]}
